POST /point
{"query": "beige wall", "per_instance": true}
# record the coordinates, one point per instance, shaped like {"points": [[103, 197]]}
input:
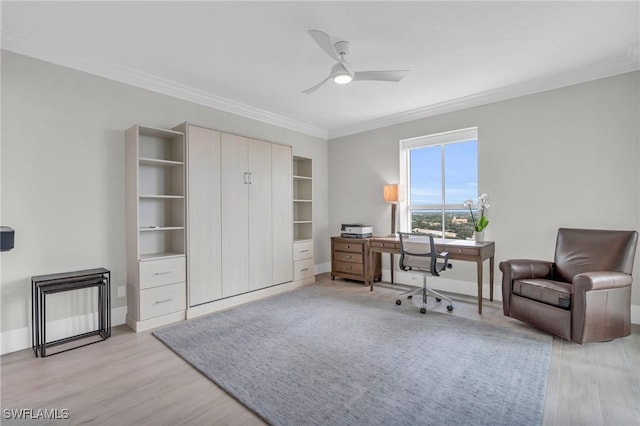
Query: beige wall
{"points": [[63, 174], [564, 158]]}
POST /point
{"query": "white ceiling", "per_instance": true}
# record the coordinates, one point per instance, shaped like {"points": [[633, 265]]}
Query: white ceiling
{"points": [[255, 58]]}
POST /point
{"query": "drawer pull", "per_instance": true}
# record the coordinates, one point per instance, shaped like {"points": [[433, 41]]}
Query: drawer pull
{"points": [[305, 269], [162, 301], [304, 251], [348, 246], [348, 267], [162, 273], [348, 257]]}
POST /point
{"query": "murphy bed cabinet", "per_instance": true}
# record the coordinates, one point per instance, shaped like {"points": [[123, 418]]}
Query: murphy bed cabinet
{"points": [[239, 214], [155, 217]]}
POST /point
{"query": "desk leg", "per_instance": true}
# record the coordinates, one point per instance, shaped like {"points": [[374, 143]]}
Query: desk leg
{"points": [[479, 272], [491, 278], [391, 256], [370, 269]]}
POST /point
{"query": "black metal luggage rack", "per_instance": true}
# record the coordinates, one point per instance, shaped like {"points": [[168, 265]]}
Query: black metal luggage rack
{"points": [[42, 285]]}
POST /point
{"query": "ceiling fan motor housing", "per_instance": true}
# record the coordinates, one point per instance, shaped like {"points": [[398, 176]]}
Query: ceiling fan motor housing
{"points": [[342, 47]]}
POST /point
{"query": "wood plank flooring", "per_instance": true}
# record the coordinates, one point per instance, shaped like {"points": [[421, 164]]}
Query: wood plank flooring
{"points": [[133, 379]]}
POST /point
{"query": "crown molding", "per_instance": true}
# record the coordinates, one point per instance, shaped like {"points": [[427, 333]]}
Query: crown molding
{"points": [[593, 72], [24, 46]]}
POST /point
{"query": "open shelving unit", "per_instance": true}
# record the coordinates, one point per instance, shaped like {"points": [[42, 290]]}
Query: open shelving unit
{"points": [[156, 226], [303, 258], [302, 199]]}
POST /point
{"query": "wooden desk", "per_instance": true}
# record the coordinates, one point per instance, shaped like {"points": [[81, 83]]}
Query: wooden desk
{"points": [[469, 251]]}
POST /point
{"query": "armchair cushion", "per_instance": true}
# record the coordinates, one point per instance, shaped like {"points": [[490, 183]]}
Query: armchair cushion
{"points": [[552, 293]]}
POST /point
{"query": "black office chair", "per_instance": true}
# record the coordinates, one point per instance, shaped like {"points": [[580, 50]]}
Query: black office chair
{"points": [[418, 253]]}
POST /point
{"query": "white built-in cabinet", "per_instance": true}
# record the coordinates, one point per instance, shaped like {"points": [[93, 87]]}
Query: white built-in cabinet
{"points": [[209, 217], [240, 237], [155, 222], [303, 254]]}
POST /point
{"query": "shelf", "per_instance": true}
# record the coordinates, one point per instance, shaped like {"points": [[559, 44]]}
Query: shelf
{"points": [[156, 256], [297, 222], [161, 163], [165, 197], [302, 178], [302, 201], [162, 228]]}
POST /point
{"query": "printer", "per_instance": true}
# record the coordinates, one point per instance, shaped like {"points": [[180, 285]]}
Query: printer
{"points": [[356, 230]]}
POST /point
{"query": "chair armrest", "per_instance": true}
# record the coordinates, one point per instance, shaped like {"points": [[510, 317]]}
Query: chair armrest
{"points": [[516, 269], [601, 280], [600, 306], [526, 268]]}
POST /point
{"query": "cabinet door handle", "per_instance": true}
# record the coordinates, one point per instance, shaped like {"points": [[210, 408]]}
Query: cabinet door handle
{"points": [[162, 301], [162, 273], [250, 178], [245, 178]]}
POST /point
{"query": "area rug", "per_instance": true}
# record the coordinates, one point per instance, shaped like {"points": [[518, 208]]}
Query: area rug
{"points": [[317, 357]]}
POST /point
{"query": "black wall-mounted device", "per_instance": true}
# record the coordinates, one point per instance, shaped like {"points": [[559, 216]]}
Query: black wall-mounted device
{"points": [[6, 238]]}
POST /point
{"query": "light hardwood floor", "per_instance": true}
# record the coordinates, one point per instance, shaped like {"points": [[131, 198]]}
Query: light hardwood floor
{"points": [[133, 379]]}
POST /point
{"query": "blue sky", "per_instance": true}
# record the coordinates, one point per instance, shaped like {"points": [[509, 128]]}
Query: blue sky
{"points": [[461, 173]]}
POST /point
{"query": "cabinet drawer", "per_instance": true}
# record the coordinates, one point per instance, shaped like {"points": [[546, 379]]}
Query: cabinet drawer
{"points": [[154, 273], [342, 256], [355, 248], [162, 300], [303, 250], [302, 269], [386, 245], [350, 268]]}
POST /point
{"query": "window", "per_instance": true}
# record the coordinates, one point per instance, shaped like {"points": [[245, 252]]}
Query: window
{"points": [[440, 172]]}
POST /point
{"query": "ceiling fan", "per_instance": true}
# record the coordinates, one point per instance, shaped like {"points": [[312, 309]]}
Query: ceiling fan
{"points": [[341, 72]]}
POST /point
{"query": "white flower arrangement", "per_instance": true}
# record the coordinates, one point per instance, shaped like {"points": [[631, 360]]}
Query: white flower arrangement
{"points": [[483, 222]]}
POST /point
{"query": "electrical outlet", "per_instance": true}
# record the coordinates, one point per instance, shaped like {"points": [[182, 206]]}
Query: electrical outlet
{"points": [[122, 291]]}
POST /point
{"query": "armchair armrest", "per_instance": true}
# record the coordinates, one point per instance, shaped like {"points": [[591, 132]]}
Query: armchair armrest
{"points": [[600, 306], [601, 280], [526, 269], [516, 269]]}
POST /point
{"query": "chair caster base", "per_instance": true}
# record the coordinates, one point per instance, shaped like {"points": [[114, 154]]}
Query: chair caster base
{"points": [[438, 299], [423, 310], [450, 308], [398, 302], [410, 296]]}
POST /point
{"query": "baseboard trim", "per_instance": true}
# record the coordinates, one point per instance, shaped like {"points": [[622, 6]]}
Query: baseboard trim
{"points": [[19, 339], [139, 326]]}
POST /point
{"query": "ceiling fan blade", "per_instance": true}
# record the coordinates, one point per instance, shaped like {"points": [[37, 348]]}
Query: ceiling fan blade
{"points": [[325, 42], [395, 75], [317, 86]]}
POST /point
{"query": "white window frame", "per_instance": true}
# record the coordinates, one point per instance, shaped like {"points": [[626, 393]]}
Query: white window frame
{"points": [[406, 145]]}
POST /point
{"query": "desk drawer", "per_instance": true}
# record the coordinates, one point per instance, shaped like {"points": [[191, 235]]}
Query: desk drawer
{"points": [[342, 256], [392, 246], [303, 269], [354, 248], [154, 273], [350, 268], [303, 250], [162, 300], [460, 251]]}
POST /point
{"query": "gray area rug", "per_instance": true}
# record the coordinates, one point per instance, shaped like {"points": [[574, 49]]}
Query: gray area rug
{"points": [[314, 357]]}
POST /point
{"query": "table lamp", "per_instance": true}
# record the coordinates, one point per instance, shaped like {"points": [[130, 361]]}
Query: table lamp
{"points": [[392, 194]]}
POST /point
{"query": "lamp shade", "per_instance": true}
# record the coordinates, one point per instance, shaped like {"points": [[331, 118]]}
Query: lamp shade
{"points": [[391, 193]]}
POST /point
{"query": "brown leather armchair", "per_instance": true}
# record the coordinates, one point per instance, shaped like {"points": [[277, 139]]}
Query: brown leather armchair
{"points": [[584, 295]]}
